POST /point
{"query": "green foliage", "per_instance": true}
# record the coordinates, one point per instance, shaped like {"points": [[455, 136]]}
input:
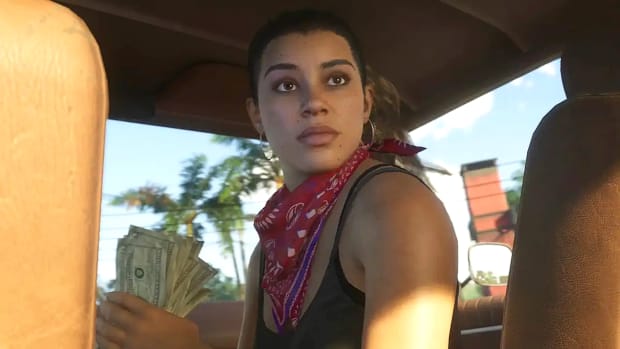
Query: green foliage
{"points": [[236, 177], [514, 198], [513, 195], [240, 175], [488, 277], [149, 196], [471, 291], [195, 181], [181, 212], [223, 288], [248, 171]]}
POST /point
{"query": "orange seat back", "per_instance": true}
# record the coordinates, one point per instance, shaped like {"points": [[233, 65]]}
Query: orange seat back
{"points": [[53, 107]]}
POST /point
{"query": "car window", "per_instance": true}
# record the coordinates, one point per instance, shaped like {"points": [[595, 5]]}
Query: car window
{"points": [[179, 181]]}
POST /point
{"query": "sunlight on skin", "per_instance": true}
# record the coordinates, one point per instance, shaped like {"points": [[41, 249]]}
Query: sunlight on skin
{"points": [[413, 318]]}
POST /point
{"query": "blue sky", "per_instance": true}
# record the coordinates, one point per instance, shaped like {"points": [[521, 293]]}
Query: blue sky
{"points": [[496, 125]]}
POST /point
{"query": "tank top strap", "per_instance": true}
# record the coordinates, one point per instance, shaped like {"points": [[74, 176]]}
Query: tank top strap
{"points": [[355, 188]]}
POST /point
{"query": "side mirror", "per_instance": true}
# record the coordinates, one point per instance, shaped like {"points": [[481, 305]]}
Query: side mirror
{"points": [[489, 263]]}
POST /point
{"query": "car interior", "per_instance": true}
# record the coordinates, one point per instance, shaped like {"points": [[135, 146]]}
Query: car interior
{"points": [[68, 66]]}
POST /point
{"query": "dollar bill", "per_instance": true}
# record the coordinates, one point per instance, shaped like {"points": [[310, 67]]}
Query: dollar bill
{"points": [[197, 283], [164, 270], [190, 304], [143, 272], [148, 237]]}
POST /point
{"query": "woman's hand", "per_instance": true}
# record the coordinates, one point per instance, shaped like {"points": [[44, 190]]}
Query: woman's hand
{"points": [[125, 321]]}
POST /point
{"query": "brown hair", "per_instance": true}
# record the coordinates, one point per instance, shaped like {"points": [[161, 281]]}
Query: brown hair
{"points": [[387, 118]]}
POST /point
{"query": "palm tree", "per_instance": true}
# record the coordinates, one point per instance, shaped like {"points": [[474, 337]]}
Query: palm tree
{"points": [[241, 175], [177, 212], [194, 200], [251, 168], [227, 218]]}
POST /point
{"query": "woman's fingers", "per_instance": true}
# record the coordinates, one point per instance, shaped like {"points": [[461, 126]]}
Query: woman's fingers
{"points": [[134, 304], [109, 332], [116, 315], [106, 344]]}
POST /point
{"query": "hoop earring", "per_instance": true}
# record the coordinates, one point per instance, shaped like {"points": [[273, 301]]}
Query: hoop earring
{"points": [[264, 145], [372, 133]]}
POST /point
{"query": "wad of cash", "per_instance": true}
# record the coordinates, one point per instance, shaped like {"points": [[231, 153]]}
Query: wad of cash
{"points": [[163, 270]]}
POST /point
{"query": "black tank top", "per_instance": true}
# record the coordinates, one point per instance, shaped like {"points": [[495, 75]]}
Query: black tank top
{"points": [[335, 317]]}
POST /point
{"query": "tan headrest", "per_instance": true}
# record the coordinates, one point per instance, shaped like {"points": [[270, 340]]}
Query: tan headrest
{"points": [[591, 64], [564, 287], [53, 107]]}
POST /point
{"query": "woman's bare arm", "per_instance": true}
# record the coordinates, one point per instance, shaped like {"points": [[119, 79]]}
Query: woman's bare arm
{"points": [[250, 309], [407, 247]]}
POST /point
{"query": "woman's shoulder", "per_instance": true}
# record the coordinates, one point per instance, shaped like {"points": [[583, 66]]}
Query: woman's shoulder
{"points": [[386, 186], [397, 203]]}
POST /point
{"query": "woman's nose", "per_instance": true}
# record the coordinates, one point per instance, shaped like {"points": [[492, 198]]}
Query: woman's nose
{"points": [[314, 103]]}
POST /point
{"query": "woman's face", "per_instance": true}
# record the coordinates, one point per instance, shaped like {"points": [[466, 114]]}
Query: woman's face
{"points": [[311, 103]]}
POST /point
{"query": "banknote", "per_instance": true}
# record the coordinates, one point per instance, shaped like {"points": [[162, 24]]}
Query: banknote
{"points": [[165, 270]]}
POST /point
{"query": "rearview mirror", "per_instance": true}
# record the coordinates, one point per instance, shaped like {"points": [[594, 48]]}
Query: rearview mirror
{"points": [[489, 263]]}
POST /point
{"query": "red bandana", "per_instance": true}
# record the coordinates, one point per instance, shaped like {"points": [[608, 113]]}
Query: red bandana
{"points": [[289, 227]]}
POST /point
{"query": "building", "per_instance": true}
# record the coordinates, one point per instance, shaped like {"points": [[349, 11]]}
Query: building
{"points": [[492, 219]]}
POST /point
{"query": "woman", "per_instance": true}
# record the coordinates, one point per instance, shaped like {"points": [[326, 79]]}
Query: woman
{"points": [[352, 253]]}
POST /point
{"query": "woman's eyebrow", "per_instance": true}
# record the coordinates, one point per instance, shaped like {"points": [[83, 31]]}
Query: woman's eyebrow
{"points": [[336, 62], [280, 66], [324, 65]]}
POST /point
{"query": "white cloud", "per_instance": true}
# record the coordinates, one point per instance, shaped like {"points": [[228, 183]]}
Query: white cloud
{"points": [[462, 118], [517, 81], [522, 82], [548, 69]]}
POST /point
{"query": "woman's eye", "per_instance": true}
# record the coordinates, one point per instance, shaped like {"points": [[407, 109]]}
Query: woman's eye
{"points": [[337, 81], [286, 86]]}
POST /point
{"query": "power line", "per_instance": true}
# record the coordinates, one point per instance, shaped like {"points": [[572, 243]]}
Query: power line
{"points": [[476, 197], [208, 232], [152, 227], [205, 243], [205, 221], [486, 196], [245, 219], [512, 179], [508, 163], [183, 209]]}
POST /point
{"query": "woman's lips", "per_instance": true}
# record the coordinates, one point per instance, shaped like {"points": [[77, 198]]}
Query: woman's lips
{"points": [[318, 136]]}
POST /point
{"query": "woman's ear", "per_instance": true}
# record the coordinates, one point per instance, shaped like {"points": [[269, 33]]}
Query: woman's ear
{"points": [[369, 98], [254, 114]]}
